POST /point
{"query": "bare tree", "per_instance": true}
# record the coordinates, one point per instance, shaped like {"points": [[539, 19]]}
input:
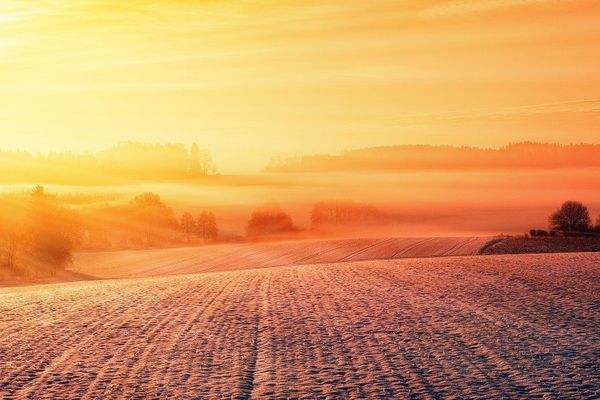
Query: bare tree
{"points": [[212, 229], [206, 226], [200, 162], [207, 166], [188, 225], [572, 216]]}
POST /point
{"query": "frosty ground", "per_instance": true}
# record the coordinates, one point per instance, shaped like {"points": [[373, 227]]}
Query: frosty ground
{"points": [[508, 326]]}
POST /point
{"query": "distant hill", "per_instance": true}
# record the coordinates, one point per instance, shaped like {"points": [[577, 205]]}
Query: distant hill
{"points": [[426, 157]]}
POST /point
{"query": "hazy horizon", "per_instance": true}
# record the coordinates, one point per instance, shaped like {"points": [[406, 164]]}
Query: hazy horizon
{"points": [[249, 80], [576, 154]]}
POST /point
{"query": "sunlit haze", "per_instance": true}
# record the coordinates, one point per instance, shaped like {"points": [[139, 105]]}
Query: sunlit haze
{"points": [[311, 199], [249, 80]]}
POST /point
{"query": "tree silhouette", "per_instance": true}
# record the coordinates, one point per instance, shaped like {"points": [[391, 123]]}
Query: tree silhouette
{"points": [[207, 165], [188, 225], [11, 240], [201, 162], [572, 216], [152, 217], [206, 226], [202, 225], [148, 199], [52, 231], [269, 220], [194, 168], [212, 230]]}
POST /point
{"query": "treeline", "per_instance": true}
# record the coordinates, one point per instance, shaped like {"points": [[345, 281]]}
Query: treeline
{"points": [[125, 161], [326, 215], [425, 157], [38, 233], [146, 221]]}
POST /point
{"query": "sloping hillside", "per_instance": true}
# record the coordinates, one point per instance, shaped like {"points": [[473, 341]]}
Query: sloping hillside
{"points": [[139, 263]]}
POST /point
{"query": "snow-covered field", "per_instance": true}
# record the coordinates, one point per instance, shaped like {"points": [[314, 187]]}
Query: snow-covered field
{"points": [[525, 326]]}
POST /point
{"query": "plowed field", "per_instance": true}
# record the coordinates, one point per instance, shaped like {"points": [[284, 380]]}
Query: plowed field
{"points": [[525, 326], [141, 263]]}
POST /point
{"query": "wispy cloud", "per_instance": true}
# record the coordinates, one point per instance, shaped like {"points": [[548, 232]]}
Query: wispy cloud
{"points": [[588, 107], [461, 7]]}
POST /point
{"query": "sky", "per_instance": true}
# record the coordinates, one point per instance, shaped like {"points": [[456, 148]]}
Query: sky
{"points": [[249, 80]]}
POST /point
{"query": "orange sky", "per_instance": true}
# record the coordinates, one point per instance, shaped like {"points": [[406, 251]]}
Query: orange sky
{"points": [[251, 79]]}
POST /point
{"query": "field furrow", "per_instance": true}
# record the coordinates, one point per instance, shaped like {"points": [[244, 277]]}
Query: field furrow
{"points": [[517, 327], [228, 257]]}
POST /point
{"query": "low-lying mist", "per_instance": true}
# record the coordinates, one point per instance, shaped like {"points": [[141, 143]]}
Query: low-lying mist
{"points": [[434, 202]]}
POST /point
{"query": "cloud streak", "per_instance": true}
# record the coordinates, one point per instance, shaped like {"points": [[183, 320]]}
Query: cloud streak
{"points": [[463, 7]]}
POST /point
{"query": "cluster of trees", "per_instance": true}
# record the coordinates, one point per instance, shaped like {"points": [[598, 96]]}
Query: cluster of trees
{"points": [[155, 161], [125, 161], [572, 218], [204, 226], [146, 221], [38, 233], [270, 220], [342, 213]]}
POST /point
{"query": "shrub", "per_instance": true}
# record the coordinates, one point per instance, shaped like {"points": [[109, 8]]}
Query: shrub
{"points": [[269, 220]]}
